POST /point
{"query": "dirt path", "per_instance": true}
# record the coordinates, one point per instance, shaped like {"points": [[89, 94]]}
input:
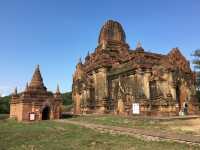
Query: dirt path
{"points": [[139, 133]]}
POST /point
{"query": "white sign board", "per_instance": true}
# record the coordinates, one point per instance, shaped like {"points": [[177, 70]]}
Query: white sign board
{"points": [[136, 108], [32, 116]]}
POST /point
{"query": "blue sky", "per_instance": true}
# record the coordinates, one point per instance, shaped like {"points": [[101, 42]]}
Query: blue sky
{"points": [[55, 33]]}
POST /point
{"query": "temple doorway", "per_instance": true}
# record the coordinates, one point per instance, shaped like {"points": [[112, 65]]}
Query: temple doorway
{"points": [[185, 108], [178, 97], [153, 89], [46, 113]]}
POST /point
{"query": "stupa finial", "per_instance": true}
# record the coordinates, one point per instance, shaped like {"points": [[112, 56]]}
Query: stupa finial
{"points": [[26, 87], [58, 89], [15, 91], [139, 44]]}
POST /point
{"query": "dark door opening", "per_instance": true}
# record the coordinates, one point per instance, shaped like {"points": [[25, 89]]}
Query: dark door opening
{"points": [[153, 89], [185, 109], [178, 97], [46, 113]]}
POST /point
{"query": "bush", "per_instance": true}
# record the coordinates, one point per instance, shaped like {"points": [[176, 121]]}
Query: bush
{"points": [[67, 98], [5, 105]]}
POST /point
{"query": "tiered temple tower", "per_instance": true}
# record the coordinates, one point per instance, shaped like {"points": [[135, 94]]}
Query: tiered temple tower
{"points": [[120, 80]]}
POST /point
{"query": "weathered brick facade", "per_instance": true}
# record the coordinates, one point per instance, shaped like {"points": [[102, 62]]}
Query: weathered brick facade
{"points": [[36, 100], [115, 78]]}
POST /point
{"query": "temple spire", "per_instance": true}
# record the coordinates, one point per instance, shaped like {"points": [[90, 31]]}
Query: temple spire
{"points": [[37, 81], [58, 89], [15, 91], [26, 87], [139, 46]]}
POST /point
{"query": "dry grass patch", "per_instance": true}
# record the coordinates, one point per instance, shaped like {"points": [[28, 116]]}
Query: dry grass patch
{"points": [[190, 126]]}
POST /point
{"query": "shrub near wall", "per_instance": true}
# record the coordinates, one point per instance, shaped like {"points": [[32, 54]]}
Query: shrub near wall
{"points": [[5, 105], [67, 98]]}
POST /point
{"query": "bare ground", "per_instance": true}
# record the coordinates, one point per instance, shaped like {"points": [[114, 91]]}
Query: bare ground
{"points": [[192, 125], [140, 133]]}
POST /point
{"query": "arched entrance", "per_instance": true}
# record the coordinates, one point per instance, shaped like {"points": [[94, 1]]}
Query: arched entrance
{"points": [[46, 113], [185, 108], [178, 97]]}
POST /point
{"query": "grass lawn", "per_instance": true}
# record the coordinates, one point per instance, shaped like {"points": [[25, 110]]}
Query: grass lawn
{"points": [[191, 126], [50, 135]]}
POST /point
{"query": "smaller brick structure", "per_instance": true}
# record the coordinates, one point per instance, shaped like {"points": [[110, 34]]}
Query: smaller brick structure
{"points": [[36, 103]]}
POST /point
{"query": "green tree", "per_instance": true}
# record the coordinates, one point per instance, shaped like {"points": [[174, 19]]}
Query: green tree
{"points": [[67, 98], [196, 63], [5, 104]]}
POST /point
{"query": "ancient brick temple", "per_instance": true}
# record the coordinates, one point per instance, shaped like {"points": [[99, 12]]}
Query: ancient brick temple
{"points": [[124, 81], [36, 103]]}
